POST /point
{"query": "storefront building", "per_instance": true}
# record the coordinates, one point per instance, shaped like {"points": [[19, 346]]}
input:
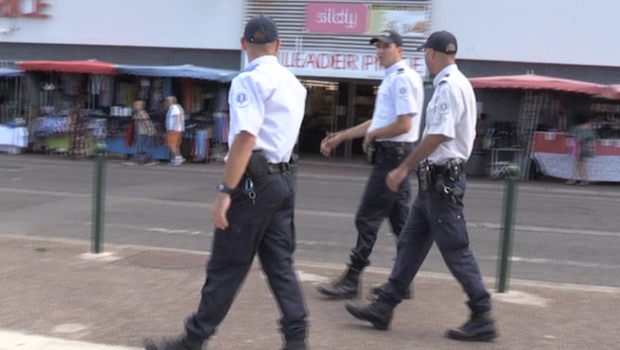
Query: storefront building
{"points": [[327, 45], [145, 32]]}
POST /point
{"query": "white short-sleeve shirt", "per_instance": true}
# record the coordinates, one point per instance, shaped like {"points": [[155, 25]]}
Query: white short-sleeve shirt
{"points": [[175, 118], [452, 112], [267, 101], [401, 92]]}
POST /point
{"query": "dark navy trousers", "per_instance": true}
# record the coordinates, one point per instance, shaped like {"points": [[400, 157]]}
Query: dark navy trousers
{"points": [[379, 203], [265, 228], [434, 217]]}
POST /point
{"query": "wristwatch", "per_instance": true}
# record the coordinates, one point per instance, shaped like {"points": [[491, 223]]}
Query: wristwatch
{"points": [[221, 187]]}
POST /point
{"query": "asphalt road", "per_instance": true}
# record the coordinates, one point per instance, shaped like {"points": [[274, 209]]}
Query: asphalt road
{"points": [[562, 234]]}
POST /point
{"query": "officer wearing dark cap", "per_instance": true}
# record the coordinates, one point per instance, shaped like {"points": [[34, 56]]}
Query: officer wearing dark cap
{"points": [[253, 213], [391, 132], [437, 213]]}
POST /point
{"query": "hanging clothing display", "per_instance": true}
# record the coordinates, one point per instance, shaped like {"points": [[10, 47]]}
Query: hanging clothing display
{"points": [[157, 94], [201, 143], [188, 95], [125, 94], [167, 87], [102, 86], [71, 83], [220, 132]]}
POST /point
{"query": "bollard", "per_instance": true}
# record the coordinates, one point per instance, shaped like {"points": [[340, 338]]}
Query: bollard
{"points": [[505, 247], [98, 200]]}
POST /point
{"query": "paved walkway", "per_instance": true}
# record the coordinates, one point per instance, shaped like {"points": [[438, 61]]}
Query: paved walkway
{"points": [[56, 296]]}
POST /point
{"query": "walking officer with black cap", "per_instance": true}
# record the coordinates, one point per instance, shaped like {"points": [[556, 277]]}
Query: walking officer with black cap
{"points": [[437, 212], [388, 139], [253, 212]]}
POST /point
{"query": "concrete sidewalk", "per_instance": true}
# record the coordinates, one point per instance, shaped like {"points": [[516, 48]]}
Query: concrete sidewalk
{"points": [[56, 296]]}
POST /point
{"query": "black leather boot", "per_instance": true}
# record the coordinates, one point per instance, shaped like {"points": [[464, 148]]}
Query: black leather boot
{"points": [[479, 327], [299, 344], [379, 313], [181, 343], [375, 291], [346, 287]]}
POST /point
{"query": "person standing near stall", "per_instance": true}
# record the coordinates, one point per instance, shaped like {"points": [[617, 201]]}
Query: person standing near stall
{"points": [[583, 148], [77, 147], [145, 136], [175, 126]]}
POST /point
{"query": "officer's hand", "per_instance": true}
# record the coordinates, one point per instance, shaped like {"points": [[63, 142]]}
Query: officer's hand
{"points": [[395, 178], [368, 139], [219, 211], [330, 142]]}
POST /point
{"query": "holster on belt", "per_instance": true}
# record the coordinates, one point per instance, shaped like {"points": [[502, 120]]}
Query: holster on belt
{"points": [[257, 166], [432, 176], [371, 153]]}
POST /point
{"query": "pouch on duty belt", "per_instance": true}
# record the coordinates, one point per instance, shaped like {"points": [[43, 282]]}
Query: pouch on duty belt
{"points": [[257, 166]]}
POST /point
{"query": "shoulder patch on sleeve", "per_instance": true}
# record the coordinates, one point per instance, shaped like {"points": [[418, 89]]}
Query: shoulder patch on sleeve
{"points": [[401, 70], [444, 108], [241, 98]]}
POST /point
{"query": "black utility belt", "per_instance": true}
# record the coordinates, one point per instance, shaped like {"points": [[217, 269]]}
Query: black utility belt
{"points": [[393, 144], [258, 167], [277, 168], [453, 169], [378, 151], [429, 174]]}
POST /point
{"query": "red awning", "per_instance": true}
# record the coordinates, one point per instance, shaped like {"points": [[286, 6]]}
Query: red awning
{"points": [[537, 82], [87, 67], [615, 91]]}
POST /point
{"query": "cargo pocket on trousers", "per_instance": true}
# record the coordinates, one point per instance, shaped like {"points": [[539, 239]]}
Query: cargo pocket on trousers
{"points": [[451, 231], [235, 245]]}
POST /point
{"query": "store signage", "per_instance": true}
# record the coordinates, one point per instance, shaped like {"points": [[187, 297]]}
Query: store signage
{"points": [[358, 19], [23, 8], [343, 18], [341, 65]]}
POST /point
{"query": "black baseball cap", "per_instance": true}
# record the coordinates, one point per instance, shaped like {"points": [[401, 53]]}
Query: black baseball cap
{"points": [[442, 41], [261, 30], [388, 37]]}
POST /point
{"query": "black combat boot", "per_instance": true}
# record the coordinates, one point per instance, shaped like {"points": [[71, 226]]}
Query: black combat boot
{"points": [[181, 343], [479, 327], [299, 344], [379, 313], [375, 291], [346, 287]]}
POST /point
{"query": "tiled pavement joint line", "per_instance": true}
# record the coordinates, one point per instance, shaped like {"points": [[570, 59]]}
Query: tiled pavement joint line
{"points": [[10, 340], [336, 267]]}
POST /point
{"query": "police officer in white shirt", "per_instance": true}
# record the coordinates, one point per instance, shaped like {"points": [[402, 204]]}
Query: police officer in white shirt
{"points": [[253, 212], [437, 212], [388, 139]]}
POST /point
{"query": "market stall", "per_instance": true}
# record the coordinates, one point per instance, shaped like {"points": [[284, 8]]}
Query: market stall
{"points": [[13, 133], [552, 154], [546, 104], [203, 93], [56, 90]]}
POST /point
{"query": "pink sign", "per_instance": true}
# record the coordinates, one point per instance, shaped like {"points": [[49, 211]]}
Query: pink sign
{"points": [[336, 17]]}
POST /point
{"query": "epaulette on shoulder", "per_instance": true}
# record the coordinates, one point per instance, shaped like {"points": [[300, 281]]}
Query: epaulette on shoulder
{"points": [[401, 70], [444, 79]]}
